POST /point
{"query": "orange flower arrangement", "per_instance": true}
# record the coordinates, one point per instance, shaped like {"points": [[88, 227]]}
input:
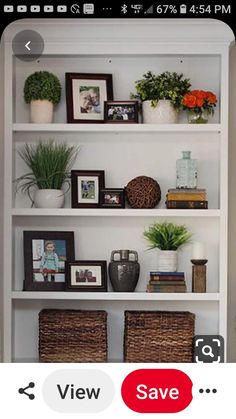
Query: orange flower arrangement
{"points": [[199, 100]]}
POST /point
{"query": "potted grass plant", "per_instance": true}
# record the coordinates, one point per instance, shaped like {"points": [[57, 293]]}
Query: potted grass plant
{"points": [[161, 96], [168, 238], [49, 165], [42, 90]]}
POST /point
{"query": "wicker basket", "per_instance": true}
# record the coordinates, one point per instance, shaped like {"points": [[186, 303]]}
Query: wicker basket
{"points": [[72, 336], [158, 336]]}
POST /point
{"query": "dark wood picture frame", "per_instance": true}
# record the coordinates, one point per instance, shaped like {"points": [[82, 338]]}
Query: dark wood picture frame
{"points": [[76, 187], [30, 284], [91, 95], [116, 105], [112, 203], [86, 282]]}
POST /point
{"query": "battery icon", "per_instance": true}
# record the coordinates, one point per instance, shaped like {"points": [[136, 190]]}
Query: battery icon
{"points": [[183, 8]]}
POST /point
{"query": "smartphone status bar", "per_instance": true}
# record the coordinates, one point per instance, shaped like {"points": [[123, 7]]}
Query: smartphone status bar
{"points": [[123, 9]]}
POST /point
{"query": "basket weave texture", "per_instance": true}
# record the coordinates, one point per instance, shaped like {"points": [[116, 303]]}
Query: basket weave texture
{"points": [[158, 336], [72, 336], [143, 192]]}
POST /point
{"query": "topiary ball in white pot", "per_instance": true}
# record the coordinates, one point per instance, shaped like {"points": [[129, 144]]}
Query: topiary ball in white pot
{"points": [[42, 90]]}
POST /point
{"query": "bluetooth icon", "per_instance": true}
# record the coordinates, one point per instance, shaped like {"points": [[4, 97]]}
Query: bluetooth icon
{"points": [[124, 8]]}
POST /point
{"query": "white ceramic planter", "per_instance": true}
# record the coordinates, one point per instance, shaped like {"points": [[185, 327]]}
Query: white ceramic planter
{"points": [[49, 198], [168, 261], [41, 111], [163, 113]]}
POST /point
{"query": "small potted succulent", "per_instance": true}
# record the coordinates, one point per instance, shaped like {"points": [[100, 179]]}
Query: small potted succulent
{"points": [[49, 165], [161, 96], [168, 238], [42, 90]]}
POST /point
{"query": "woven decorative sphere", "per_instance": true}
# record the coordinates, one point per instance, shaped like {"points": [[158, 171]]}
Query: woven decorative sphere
{"points": [[143, 192]]}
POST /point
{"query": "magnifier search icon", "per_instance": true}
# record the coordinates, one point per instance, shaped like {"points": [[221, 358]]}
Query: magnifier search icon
{"points": [[207, 350]]}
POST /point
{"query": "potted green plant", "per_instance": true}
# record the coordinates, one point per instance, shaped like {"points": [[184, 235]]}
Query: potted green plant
{"points": [[49, 165], [168, 238], [42, 90], [161, 96]]}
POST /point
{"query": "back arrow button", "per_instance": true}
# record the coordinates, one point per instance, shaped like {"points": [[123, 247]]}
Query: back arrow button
{"points": [[27, 46]]}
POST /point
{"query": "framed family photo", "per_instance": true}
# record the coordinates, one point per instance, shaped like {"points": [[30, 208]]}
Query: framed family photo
{"points": [[85, 188], [86, 276], [121, 112], [45, 255], [112, 198], [85, 96]]}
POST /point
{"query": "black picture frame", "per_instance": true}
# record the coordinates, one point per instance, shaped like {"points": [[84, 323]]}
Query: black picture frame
{"points": [[86, 182], [85, 96], [123, 112], [112, 198], [39, 275], [86, 276]]}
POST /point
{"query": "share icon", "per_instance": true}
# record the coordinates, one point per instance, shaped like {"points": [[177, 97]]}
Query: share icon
{"points": [[22, 391]]}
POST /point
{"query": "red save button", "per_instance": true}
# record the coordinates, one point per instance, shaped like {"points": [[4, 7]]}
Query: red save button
{"points": [[157, 391]]}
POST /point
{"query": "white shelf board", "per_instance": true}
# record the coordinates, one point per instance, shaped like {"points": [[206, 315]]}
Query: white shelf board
{"points": [[113, 212], [116, 128], [113, 296]]}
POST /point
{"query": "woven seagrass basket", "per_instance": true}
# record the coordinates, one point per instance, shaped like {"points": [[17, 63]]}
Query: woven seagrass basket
{"points": [[158, 336], [72, 336]]}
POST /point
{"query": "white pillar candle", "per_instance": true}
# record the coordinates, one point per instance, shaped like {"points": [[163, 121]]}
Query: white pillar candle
{"points": [[199, 251]]}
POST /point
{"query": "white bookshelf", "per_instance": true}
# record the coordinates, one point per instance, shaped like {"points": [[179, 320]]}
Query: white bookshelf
{"points": [[113, 212], [115, 296], [127, 49], [117, 128]]}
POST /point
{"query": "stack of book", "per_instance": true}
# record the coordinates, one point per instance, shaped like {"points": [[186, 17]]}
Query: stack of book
{"points": [[186, 199], [166, 282]]}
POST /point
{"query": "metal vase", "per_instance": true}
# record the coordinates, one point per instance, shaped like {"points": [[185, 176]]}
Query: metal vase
{"points": [[124, 270]]}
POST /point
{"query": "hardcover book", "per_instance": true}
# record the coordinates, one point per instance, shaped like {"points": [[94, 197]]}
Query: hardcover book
{"points": [[186, 196], [187, 190], [161, 273], [157, 278], [171, 288], [175, 204]]}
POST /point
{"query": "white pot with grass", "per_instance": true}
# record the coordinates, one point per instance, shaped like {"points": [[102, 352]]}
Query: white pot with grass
{"points": [[42, 90], [168, 238], [168, 261], [49, 198], [49, 164]]}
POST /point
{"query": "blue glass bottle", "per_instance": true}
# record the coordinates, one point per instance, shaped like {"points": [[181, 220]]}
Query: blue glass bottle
{"points": [[186, 171]]}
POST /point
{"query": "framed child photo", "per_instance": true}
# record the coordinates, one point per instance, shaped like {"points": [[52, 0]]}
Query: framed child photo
{"points": [[85, 96], [121, 112], [112, 198], [45, 255], [85, 188], [86, 276]]}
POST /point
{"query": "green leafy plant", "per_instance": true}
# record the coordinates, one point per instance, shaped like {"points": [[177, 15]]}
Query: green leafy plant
{"points": [[169, 86], [49, 165], [167, 236], [42, 85]]}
